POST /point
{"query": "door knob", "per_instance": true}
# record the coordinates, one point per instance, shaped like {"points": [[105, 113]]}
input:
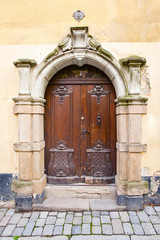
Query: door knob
{"points": [[84, 131]]}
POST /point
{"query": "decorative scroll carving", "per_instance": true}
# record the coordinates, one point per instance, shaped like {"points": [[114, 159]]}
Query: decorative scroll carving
{"points": [[62, 91], [98, 162], [79, 41], [61, 163], [98, 91]]}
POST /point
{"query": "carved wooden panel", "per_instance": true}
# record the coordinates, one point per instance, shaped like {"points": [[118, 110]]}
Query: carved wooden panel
{"points": [[61, 163], [98, 163]]}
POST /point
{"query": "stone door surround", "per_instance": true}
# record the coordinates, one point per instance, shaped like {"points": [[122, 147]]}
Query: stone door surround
{"points": [[79, 48]]}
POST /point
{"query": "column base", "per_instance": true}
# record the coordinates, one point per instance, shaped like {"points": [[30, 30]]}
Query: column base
{"points": [[131, 202], [23, 203], [39, 198]]}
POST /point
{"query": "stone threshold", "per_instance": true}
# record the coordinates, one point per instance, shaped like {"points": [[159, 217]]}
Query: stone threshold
{"points": [[77, 204], [81, 190]]}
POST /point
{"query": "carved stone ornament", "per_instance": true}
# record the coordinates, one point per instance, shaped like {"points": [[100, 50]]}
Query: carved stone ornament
{"points": [[79, 39], [98, 161], [61, 163], [78, 15]]}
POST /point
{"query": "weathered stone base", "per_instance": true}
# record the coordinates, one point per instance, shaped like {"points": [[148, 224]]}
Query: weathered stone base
{"points": [[131, 202], [39, 198], [23, 203], [6, 194]]}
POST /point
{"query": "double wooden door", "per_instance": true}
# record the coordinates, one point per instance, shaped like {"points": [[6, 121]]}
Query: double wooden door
{"points": [[80, 129]]}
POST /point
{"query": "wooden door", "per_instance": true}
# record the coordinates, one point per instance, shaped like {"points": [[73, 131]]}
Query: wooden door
{"points": [[80, 131]]}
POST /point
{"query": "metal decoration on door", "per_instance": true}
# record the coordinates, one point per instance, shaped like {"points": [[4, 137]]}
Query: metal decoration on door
{"points": [[98, 163], [62, 91], [98, 91], [61, 163]]}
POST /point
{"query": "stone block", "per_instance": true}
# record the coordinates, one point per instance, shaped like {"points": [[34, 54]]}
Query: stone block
{"points": [[25, 166], [38, 127], [122, 123], [24, 127], [134, 170], [22, 187], [135, 128], [38, 164], [39, 185], [23, 203], [122, 165], [39, 198], [134, 202]]}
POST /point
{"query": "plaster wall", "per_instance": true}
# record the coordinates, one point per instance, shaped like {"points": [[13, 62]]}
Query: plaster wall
{"points": [[47, 22], [9, 88]]}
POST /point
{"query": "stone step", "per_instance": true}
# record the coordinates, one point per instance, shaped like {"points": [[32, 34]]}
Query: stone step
{"points": [[76, 204], [82, 191]]}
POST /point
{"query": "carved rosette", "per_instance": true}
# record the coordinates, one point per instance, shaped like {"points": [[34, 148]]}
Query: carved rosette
{"points": [[98, 91], [98, 162], [61, 163]]}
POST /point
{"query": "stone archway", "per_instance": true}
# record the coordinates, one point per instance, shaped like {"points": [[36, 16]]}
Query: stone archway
{"points": [[79, 48]]}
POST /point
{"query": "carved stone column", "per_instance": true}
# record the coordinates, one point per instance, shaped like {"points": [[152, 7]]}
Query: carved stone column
{"points": [[31, 180]]}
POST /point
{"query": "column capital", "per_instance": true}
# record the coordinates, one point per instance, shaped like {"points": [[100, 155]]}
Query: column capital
{"points": [[133, 61], [25, 62]]}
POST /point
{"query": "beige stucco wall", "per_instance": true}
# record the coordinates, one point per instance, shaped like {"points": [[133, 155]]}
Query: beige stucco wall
{"points": [[9, 88], [46, 21]]}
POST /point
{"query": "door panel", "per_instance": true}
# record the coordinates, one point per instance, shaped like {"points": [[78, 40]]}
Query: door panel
{"points": [[80, 129]]}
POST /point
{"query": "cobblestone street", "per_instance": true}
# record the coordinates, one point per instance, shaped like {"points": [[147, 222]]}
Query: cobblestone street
{"points": [[101, 225]]}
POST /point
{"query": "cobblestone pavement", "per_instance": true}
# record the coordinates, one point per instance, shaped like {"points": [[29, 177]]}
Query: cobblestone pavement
{"points": [[91, 225]]}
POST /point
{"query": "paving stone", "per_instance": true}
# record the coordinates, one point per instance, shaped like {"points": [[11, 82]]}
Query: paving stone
{"points": [[145, 237], [34, 216], [143, 217], [117, 226], [96, 213], [50, 220], [43, 214], [53, 214], [22, 222], [150, 210], [28, 229], [87, 219], [154, 219], [59, 221], [26, 214], [40, 222], [86, 213], [8, 230], [67, 229], [15, 218], [127, 228], [131, 213], [4, 221], [58, 230], [18, 231], [2, 215], [114, 215], [105, 213], [69, 218], [148, 228], [10, 212], [124, 216], [61, 214], [134, 219], [98, 237], [37, 231], [157, 208], [78, 214], [107, 229], [48, 230], [95, 221], [1, 230], [105, 219], [138, 230], [86, 229], [96, 229], [76, 230], [157, 227], [77, 220]]}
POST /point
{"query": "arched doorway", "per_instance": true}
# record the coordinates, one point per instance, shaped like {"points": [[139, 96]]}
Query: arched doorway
{"points": [[80, 127]]}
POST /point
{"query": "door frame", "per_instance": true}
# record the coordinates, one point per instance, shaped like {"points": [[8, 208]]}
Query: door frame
{"points": [[80, 48]]}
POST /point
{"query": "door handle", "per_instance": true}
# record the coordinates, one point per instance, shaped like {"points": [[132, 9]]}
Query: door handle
{"points": [[84, 131], [98, 119]]}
